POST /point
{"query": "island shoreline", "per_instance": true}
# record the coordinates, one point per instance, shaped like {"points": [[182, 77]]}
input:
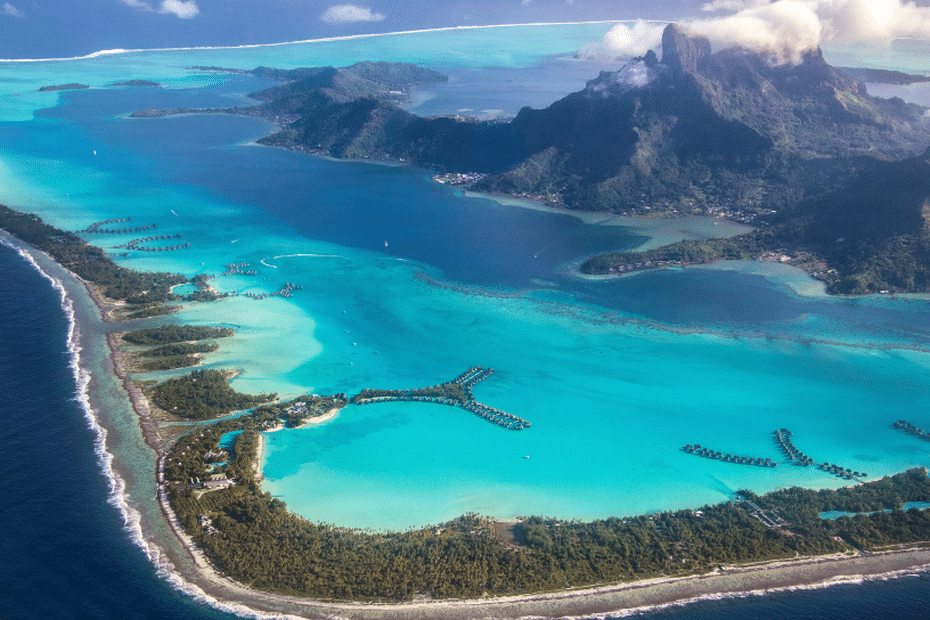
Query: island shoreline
{"points": [[805, 572], [737, 580]]}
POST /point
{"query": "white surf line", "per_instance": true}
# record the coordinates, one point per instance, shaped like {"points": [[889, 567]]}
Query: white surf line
{"points": [[323, 39], [118, 495]]}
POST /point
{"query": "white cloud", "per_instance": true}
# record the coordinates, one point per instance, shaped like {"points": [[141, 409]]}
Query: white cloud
{"points": [[184, 10], [788, 28], [138, 4], [11, 11], [526, 2], [785, 29], [180, 8], [346, 13], [622, 40], [731, 5]]}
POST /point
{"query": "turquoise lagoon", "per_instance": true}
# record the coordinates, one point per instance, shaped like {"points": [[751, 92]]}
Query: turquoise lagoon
{"points": [[407, 283]]}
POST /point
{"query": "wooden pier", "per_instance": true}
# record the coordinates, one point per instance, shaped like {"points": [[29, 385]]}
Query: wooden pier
{"points": [[236, 269], [906, 427], [699, 450], [455, 393], [842, 472], [96, 227], [286, 291], [783, 439], [136, 244]]}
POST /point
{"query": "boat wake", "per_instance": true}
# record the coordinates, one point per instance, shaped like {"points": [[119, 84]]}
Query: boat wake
{"points": [[266, 264]]}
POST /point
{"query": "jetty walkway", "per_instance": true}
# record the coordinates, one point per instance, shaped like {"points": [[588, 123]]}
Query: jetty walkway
{"points": [[136, 244], [236, 269], [240, 269], [286, 291], [906, 427], [96, 227], [699, 450], [455, 393], [842, 472], [783, 439]]}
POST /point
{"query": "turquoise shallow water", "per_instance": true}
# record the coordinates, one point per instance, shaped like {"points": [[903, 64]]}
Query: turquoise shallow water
{"points": [[615, 376], [836, 514]]}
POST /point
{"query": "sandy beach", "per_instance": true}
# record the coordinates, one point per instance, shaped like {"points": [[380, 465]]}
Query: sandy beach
{"points": [[329, 415]]}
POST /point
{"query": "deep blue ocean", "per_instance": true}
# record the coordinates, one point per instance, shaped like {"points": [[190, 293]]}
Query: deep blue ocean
{"points": [[64, 552]]}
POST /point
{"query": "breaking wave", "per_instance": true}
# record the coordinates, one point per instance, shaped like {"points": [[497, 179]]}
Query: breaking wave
{"points": [[117, 495]]}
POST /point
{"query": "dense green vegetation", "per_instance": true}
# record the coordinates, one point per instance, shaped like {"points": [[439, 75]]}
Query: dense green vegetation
{"points": [[89, 262], [294, 413], [864, 530], [258, 542], [802, 506], [69, 86], [168, 363], [179, 354], [149, 311], [168, 334], [450, 390], [202, 395], [183, 348], [865, 238]]}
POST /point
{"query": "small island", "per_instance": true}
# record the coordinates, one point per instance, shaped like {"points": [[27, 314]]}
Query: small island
{"points": [[70, 86], [884, 76]]}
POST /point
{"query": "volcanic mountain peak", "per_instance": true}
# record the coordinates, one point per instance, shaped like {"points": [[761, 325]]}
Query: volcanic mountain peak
{"points": [[806, 107], [683, 52]]}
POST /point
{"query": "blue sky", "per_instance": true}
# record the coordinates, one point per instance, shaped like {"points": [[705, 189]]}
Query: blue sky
{"points": [[55, 28]]}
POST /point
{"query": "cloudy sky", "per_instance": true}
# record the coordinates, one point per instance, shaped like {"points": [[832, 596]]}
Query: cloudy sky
{"points": [[59, 28]]}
